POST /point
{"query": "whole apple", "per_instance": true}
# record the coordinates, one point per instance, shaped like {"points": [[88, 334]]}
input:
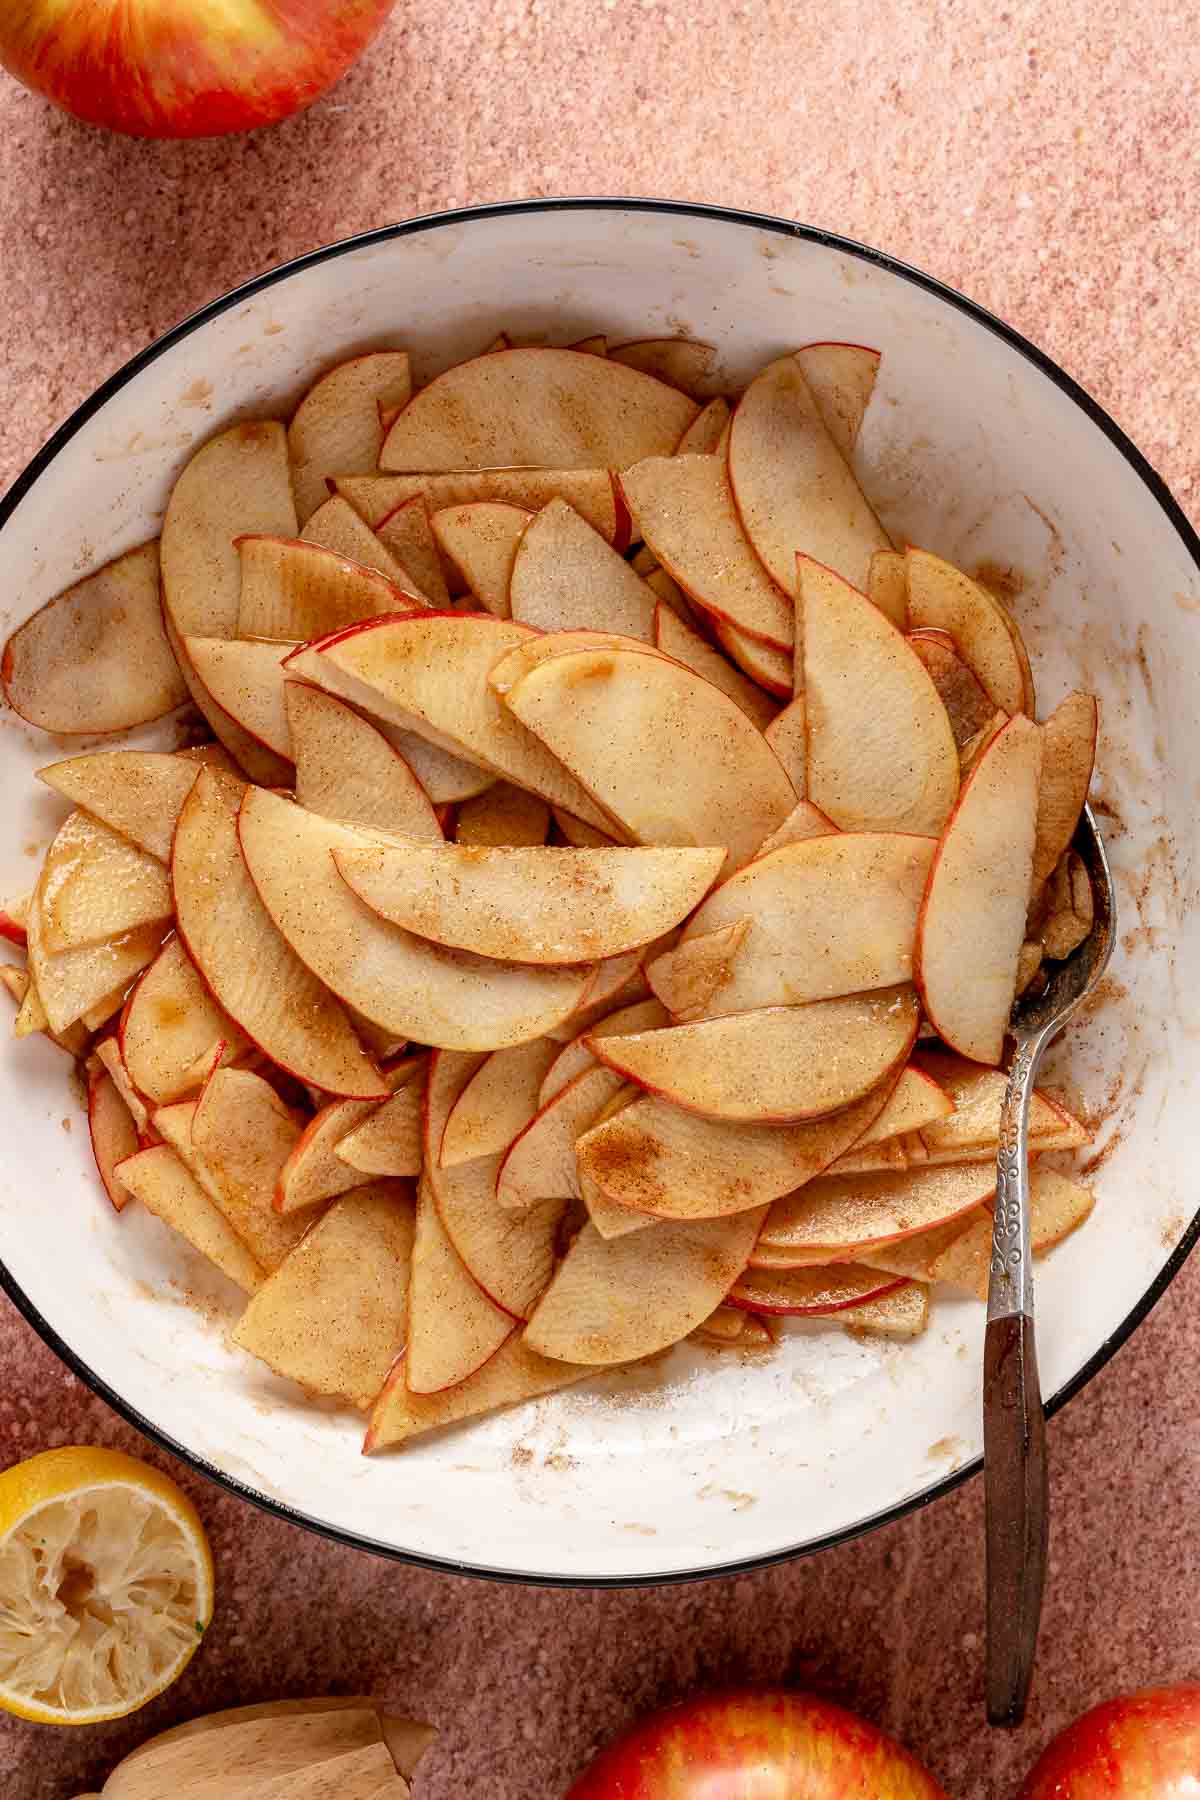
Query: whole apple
{"points": [[184, 68], [757, 1744], [1143, 1746]]}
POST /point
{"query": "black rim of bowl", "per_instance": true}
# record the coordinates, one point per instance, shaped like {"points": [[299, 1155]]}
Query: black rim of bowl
{"points": [[829, 240]]}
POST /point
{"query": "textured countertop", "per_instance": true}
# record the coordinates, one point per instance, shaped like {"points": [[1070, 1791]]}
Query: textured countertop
{"points": [[1043, 159]]}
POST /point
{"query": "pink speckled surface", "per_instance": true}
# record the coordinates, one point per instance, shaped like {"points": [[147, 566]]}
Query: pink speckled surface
{"points": [[1042, 158]]}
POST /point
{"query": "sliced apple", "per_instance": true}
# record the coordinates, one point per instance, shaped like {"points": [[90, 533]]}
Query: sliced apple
{"points": [[408, 534], [513, 1374], [565, 577], [336, 526], [416, 989], [941, 597], [887, 586], [574, 831], [616, 1299], [294, 590], [505, 816], [114, 1134], [967, 705], [16, 982], [880, 753], [838, 1216], [13, 919], [1068, 757], [238, 482], [978, 1095], [793, 489], [682, 363], [540, 1164], [1057, 1207], [683, 506], [589, 491], [687, 978], [731, 789], [916, 1100], [97, 886], [160, 1181], [543, 646], [829, 915], [803, 822], [811, 1293], [1069, 908], [788, 736], [674, 637], [246, 680], [334, 1314], [70, 984], [108, 1054], [636, 1015], [616, 978], [348, 771], [899, 1315], [670, 595], [336, 428], [540, 407], [170, 1025], [250, 968], [536, 905], [914, 1258], [243, 1134], [497, 1103], [313, 1171], [658, 1159], [972, 922], [453, 1328], [707, 431], [772, 669], [511, 1255], [841, 378], [388, 1141], [776, 1065], [137, 792], [480, 541], [95, 658], [429, 672]]}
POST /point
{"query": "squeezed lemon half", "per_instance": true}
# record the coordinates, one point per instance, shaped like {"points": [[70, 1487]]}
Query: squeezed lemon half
{"points": [[106, 1585]]}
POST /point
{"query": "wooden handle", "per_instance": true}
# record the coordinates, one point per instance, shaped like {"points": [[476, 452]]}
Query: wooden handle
{"points": [[1018, 1514]]}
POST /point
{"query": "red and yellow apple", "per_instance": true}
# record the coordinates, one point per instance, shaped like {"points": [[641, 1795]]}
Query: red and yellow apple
{"points": [[755, 1745], [1142, 1746], [180, 68]]}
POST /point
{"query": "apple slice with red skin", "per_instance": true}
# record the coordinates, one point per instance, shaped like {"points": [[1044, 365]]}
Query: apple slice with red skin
{"points": [[137, 792], [248, 966], [707, 432], [336, 526], [71, 984], [1068, 757], [962, 1259], [681, 362], [787, 735], [887, 586], [575, 1057], [914, 1258], [978, 1094], [160, 1181], [238, 482], [731, 790], [169, 1026], [574, 831], [415, 989], [685, 511], [540, 1163], [810, 1292], [113, 1133], [803, 822], [793, 489], [98, 886], [655, 1158], [676, 638], [293, 590], [108, 1053], [535, 904], [967, 705], [480, 542], [837, 1216], [771, 668], [243, 1135], [566, 577], [336, 428], [687, 978], [333, 1316], [537, 408], [348, 771], [504, 816], [880, 754], [787, 1743], [13, 918], [615, 1299], [774, 1066], [247, 681], [972, 922], [453, 1327], [591, 492], [941, 597], [95, 658], [313, 1171], [524, 657], [497, 1103], [616, 978], [407, 533], [841, 379], [428, 672], [31, 1014], [916, 1100], [830, 915], [388, 1141], [512, 1375], [899, 1315]]}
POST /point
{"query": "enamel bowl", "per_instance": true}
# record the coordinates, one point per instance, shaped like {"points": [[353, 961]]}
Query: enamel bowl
{"points": [[976, 446]]}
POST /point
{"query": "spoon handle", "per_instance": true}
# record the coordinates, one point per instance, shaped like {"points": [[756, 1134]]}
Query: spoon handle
{"points": [[1014, 1422]]}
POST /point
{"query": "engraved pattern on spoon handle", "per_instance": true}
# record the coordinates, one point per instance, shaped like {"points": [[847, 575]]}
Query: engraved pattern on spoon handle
{"points": [[1010, 1289]]}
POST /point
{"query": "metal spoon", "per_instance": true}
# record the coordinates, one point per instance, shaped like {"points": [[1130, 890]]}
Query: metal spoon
{"points": [[1014, 1422]]}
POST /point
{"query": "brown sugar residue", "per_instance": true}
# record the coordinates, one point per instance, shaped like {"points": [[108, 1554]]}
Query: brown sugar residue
{"points": [[66, 1125], [1003, 579], [1109, 1148], [1188, 603], [199, 394], [521, 1456]]}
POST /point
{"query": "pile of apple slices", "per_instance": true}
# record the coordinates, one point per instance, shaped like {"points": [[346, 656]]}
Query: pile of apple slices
{"points": [[596, 918]]}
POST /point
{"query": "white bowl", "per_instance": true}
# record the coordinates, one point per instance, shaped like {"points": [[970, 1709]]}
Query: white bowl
{"points": [[975, 445]]}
